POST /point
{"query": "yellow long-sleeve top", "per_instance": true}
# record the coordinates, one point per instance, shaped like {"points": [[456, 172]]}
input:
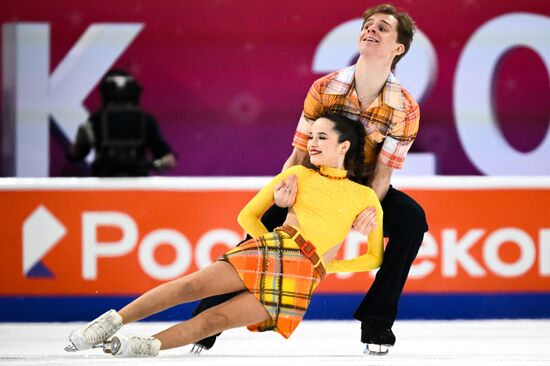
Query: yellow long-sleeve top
{"points": [[326, 206]]}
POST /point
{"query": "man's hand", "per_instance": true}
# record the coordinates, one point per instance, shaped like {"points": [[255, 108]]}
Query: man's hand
{"points": [[166, 162], [285, 191], [365, 222]]}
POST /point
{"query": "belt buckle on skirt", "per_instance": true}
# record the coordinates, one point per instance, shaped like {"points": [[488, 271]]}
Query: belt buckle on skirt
{"points": [[308, 249]]}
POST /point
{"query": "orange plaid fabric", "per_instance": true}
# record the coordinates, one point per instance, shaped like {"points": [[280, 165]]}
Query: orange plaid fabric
{"points": [[274, 270], [391, 121]]}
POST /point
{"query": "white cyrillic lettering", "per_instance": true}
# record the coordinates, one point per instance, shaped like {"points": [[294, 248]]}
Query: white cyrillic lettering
{"points": [[165, 236], [494, 242], [456, 252], [205, 244], [25, 130], [31, 97], [92, 249], [544, 252]]}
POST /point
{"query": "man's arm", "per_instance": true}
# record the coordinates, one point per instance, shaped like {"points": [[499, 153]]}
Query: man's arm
{"points": [[380, 183], [380, 180], [395, 147], [297, 157]]}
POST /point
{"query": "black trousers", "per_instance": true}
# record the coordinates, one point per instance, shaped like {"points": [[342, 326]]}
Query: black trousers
{"points": [[404, 225]]}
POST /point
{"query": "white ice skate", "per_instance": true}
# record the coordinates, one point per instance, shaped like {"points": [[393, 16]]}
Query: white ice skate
{"points": [[376, 349], [133, 346], [93, 334]]}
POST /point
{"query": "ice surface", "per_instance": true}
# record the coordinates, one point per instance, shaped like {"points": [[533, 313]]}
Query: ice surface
{"points": [[315, 343]]}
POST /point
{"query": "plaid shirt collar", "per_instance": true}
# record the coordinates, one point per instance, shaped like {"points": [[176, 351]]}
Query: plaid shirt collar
{"points": [[390, 95]]}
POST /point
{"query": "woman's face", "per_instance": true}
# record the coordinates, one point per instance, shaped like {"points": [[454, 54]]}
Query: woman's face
{"points": [[323, 146]]}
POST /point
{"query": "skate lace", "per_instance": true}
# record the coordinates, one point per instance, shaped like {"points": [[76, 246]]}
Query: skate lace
{"points": [[98, 330], [142, 346]]}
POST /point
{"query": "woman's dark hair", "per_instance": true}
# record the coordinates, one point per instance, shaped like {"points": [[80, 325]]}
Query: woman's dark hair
{"points": [[354, 132]]}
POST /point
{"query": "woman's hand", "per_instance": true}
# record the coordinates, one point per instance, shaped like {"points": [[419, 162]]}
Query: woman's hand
{"points": [[285, 192]]}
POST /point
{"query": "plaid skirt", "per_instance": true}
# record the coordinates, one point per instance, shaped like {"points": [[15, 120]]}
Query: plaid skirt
{"points": [[276, 272]]}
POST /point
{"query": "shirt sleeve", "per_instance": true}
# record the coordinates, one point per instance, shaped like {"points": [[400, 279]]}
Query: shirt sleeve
{"points": [[155, 140], [401, 136], [313, 109], [249, 217], [375, 252]]}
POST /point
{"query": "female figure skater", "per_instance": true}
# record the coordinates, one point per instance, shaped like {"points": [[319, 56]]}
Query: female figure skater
{"points": [[277, 271]]}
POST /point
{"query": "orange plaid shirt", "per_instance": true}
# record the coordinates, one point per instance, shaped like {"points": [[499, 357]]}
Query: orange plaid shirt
{"points": [[391, 121]]}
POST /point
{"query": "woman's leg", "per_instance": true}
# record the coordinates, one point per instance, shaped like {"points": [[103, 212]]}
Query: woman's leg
{"points": [[243, 309], [273, 217], [217, 278]]}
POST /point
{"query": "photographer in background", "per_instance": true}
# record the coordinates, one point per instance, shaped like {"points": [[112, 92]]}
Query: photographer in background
{"points": [[123, 136]]}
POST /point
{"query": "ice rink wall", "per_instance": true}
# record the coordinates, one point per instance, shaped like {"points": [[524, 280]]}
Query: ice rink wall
{"points": [[73, 247]]}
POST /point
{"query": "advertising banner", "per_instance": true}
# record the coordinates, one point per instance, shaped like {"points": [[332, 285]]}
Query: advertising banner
{"points": [[226, 80], [99, 239]]}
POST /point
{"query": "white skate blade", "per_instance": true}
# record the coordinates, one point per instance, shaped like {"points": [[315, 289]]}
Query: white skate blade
{"points": [[376, 349], [106, 347], [71, 348]]}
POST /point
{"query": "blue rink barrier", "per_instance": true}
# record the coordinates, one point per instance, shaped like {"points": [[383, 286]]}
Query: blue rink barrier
{"points": [[323, 307]]}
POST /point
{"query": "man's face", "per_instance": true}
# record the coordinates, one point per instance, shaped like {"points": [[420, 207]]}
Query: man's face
{"points": [[378, 37]]}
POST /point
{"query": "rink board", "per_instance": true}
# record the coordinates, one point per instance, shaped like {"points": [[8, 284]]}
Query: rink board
{"points": [[74, 244], [323, 306]]}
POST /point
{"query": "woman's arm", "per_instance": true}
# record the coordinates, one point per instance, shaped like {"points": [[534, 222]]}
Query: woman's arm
{"points": [[249, 217], [375, 253]]}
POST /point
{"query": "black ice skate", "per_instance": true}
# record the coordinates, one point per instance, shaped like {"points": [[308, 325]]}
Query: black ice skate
{"points": [[204, 344], [377, 337]]}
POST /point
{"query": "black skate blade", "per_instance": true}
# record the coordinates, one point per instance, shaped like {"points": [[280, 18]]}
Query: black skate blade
{"points": [[197, 349]]}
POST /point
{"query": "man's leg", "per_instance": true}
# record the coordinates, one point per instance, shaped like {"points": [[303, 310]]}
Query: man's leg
{"points": [[274, 217], [405, 224]]}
